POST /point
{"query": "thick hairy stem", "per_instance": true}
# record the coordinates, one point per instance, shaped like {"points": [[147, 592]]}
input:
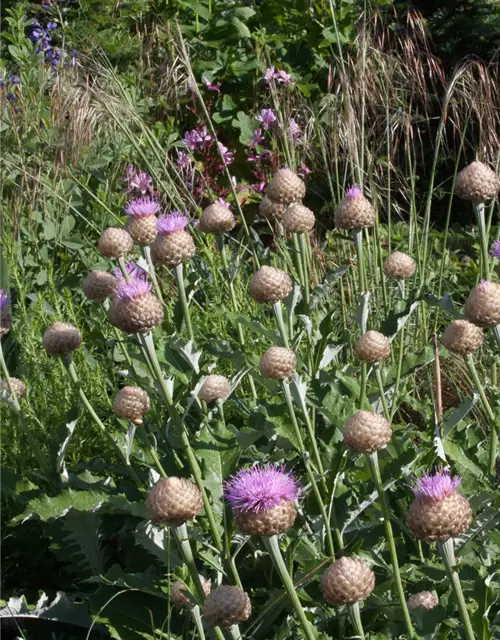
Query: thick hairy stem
{"points": [[179, 276], [152, 271], [483, 239], [381, 390], [278, 312], [355, 617], [273, 548]]}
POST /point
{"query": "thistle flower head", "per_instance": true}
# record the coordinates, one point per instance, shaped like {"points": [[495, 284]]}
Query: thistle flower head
{"points": [[261, 488], [140, 207], [172, 222], [134, 271], [354, 191], [495, 249], [132, 289], [484, 284], [436, 487], [4, 299]]}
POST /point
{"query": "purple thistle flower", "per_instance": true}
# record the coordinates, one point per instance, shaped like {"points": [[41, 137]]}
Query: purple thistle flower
{"points": [[354, 191], [294, 131], [172, 222], [484, 284], [260, 488], [495, 249], [140, 207], [138, 180], [227, 155], [4, 299], [132, 289], [267, 117], [223, 203], [134, 271], [437, 487]]}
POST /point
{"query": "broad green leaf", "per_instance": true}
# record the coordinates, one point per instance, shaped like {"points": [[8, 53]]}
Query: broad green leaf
{"points": [[46, 508]]}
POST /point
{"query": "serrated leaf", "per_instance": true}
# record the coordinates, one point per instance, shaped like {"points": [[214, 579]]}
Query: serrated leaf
{"points": [[457, 454], [47, 508]]}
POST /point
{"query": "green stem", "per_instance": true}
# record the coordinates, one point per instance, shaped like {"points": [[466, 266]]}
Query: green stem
{"points": [[355, 616], [278, 313], [381, 390], [152, 271], [182, 538], [234, 632], [196, 614], [362, 391], [70, 368], [448, 556], [489, 412], [483, 238], [152, 451], [309, 471], [148, 345], [272, 546], [358, 240], [298, 260], [373, 462], [38, 453], [305, 262], [179, 276]]}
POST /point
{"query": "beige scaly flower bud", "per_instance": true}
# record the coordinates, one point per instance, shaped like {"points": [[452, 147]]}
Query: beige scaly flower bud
{"points": [[483, 304], [462, 337], [355, 211], [214, 387], [216, 219], [477, 182], [178, 593], [269, 284], [226, 606], [115, 243], [173, 244], [298, 219], [99, 285], [142, 229], [271, 210], [135, 309], [372, 347], [425, 599], [367, 432], [268, 522], [285, 187], [131, 403], [174, 500], [346, 581], [18, 387], [61, 338], [399, 265], [278, 363]]}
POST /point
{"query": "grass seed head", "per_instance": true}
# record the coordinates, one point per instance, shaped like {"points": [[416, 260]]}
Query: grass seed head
{"points": [[115, 243], [215, 387], [462, 337], [269, 284], [174, 501], [61, 338], [346, 581], [477, 182], [372, 347], [354, 211], [18, 387], [226, 606], [131, 403], [99, 285], [367, 432], [278, 363], [216, 219], [483, 304], [178, 593], [425, 599], [298, 219], [399, 265], [285, 187]]}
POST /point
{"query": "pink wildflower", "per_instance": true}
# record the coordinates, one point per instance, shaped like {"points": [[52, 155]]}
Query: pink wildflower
{"points": [[227, 155], [211, 87], [267, 117]]}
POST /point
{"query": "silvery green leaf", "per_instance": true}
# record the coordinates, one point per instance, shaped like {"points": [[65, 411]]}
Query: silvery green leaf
{"points": [[189, 352], [307, 322], [330, 352], [70, 428], [235, 381], [293, 299], [324, 290], [362, 311], [458, 414], [299, 390], [15, 607], [129, 440], [153, 477], [153, 539]]}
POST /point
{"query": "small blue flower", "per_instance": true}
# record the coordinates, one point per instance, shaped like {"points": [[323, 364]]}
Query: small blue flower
{"points": [[52, 25], [11, 97], [14, 80]]}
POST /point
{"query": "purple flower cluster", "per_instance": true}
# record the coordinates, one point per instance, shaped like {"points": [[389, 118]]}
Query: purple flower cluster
{"points": [[42, 37], [198, 138], [437, 487], [172, 222], [132, 289], [138, 182], [141, 207], [227, 155], [495, 249], [134, 272], [280, 76], [4, 299], [261, 488], [294, 131], [12, 82], [267, 117]]}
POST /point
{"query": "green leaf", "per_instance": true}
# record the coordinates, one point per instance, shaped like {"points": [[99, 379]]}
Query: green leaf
{"points": [[457, 454], [241, 28], [46, 508], [245, 124]]}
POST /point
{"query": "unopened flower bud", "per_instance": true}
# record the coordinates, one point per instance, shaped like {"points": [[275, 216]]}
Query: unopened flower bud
{"points": [[179, 595], [483, 304], [425, 599], [399, 265], [278, 363], [347, 581], [226, 606], [269, 284], [115, 243], [270, 209], [462, 337], [61, 338], [216, 219], [367, 432], [286, 187], [18, 387], [298, 219], [372, 347], [99, 285], [131, 403], [214, 387], [174, 501], [477, 182]]}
